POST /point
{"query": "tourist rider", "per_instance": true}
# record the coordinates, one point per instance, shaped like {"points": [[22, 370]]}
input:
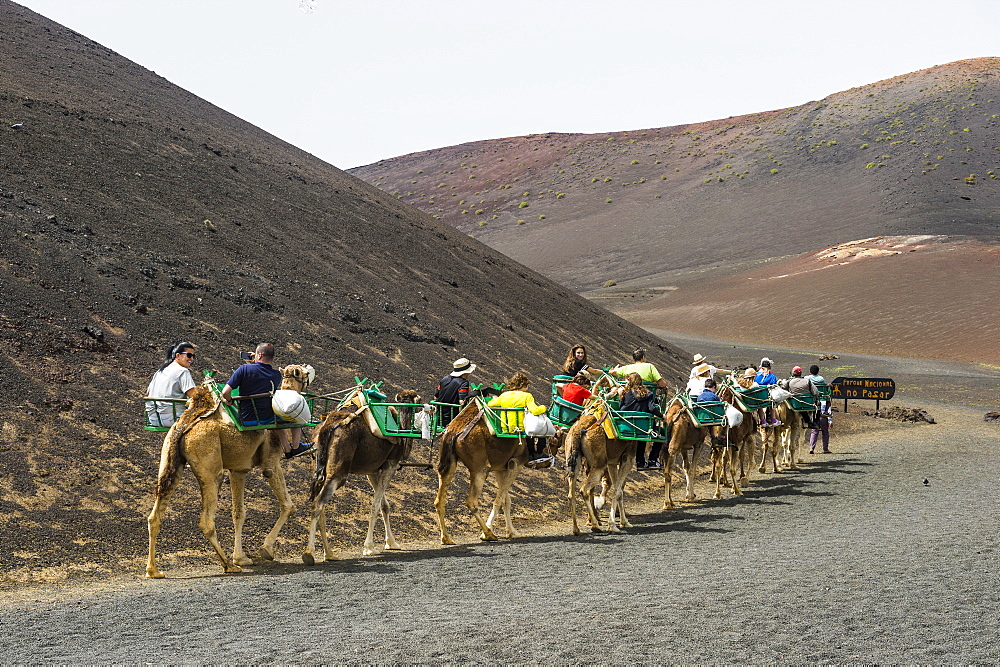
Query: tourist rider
{"points": [[453, 389], [638, 398], [696, 384], [765, 378], [258, 376], [708, 393], [578, 390], [700, 359], [516, 396], [823, 417], [646, 370], [171, 380], [576, 362], [746, 380]]}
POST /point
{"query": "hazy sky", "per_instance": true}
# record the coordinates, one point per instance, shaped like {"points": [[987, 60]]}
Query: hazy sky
{"points": [[355, 82]]}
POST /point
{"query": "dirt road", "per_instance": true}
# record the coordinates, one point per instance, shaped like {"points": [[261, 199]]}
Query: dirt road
{"points": [[854, 558]]}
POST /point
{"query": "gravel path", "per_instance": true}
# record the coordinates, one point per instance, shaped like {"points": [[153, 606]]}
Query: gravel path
{"points": [[852, 559]]}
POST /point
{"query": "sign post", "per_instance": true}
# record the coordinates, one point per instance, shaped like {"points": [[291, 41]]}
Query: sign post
{"points": [[866, 389]]}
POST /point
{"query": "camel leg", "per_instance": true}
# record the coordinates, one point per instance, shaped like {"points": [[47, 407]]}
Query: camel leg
{"points": [[155, 519], [688, 458], [209, 507], [505, 478], [571, 480], [276, 480], [237, 484], [718, 463], [621, 478], [441, 500], [732, 456], [318, 520], [476, 482], [390, 540], [379, 481], [594, 478], [323, 534], [668, 503]]}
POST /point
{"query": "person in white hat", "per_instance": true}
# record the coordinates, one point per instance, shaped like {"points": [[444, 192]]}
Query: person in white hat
{"points": [[699, 374], [699, 360], [453, 389]]}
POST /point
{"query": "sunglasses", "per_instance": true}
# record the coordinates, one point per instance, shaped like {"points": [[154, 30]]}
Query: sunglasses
{"points": [[189, 355]]}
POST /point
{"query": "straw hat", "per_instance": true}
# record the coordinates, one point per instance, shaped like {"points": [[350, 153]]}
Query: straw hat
{"points": [[462, 367], [749, 373], [703, 369], [699, 359]]}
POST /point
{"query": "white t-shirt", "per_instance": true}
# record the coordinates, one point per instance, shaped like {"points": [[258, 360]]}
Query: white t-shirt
{"points": [[696, 385], [174, 381]]}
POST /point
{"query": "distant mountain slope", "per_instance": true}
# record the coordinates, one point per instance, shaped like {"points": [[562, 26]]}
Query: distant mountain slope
{"points": [[916, 154], [923, 296], [134, 215]]}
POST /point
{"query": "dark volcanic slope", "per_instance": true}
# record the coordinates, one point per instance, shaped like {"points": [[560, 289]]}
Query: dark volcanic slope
{"points": [[134, 211], [916, 154]]}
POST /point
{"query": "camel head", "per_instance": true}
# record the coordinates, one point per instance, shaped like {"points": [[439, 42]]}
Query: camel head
{"points": [[407, 396], [297, 377]]}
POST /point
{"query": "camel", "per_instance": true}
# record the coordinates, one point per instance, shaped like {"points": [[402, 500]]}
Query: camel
{"points": [[791, 433], [588, 449], [468, 440], [210, 443], [685, 438], [345, 445], [742, 441]]}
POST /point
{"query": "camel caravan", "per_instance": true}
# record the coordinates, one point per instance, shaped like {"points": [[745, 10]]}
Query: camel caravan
{"points": [[591, 431]]}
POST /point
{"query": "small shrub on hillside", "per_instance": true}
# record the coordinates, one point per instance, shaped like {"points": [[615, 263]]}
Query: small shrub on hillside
{"points": [[541, 217], [481, 223], [608, 200], [523, 204], [520, 222], [774, 171], [609, 283]]}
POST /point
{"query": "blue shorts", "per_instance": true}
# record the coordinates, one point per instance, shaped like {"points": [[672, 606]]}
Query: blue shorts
{"points": [[254, 422]]}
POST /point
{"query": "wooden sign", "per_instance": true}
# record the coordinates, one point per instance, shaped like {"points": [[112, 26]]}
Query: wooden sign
{"points": [[866, 389]]}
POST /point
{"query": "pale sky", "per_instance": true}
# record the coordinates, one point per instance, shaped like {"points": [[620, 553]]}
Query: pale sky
{"points": [[355, 82]]}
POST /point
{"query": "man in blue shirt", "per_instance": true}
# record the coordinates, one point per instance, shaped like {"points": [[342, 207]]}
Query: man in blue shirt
{"points": [[766, 378], [260, 377], [709, 393]]}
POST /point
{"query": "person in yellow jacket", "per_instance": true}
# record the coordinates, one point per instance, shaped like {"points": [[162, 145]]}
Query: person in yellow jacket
{"points": [[514, 397]]}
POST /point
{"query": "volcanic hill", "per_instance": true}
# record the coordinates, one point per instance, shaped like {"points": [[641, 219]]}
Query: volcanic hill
{"points": [[628, 216], [134, 215]]}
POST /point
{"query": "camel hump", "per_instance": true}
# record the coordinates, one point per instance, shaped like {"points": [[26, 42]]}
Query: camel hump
{"points": [[200, 405]]}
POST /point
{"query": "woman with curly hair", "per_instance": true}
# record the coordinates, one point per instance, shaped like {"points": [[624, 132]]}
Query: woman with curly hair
{"points": [[517, 396], [637, 398], [576, 362]]}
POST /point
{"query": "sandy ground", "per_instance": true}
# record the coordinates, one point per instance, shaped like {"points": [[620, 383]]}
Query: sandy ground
{"points": [[852, 559]]}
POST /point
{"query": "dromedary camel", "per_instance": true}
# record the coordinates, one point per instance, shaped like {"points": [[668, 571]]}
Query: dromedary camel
{"points": [[468, 440], [208, 441], [790, 434], [588, 449], [742, 440], [345, 445], [685, 438]]}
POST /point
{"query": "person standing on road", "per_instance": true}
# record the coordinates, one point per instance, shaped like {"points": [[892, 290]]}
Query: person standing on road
{"points": [[823, 418]]}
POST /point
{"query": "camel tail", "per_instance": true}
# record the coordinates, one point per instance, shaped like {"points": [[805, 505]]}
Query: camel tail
{"points": [[447, 455], [174, 461], [324, 437], [201, 405], [576, 444]]}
